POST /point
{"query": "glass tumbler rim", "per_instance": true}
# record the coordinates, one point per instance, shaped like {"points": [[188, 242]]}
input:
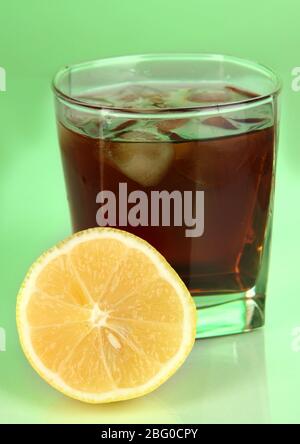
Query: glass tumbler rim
{"points": [[97, 63]]}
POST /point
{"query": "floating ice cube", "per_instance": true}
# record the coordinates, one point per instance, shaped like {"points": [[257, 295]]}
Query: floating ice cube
{"points": [[170, 124], [144, 162], [124, 125], [219, 122], [208, 96], [240, 94]]}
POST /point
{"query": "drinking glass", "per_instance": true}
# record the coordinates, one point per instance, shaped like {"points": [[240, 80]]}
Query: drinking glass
{"points": [[180, 150]]}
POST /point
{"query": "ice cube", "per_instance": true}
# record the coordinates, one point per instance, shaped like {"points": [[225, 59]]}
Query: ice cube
{"points": [[169, 125], [239, 94], [250, 120], [157, 100], [219, 122], [141, 97], [208, 96], [92, 128], [173, 136], [144, 162], [124, 125], [81, 122]]}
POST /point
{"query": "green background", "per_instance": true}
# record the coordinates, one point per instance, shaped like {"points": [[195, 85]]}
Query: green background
{"points": [[246, 378]]}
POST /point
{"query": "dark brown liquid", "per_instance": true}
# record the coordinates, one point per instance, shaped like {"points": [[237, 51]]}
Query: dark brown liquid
{"points": [[235, 172]]}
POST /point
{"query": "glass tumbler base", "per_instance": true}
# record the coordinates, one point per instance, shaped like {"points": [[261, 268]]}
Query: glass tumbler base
{"points": [[226, 314]]}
